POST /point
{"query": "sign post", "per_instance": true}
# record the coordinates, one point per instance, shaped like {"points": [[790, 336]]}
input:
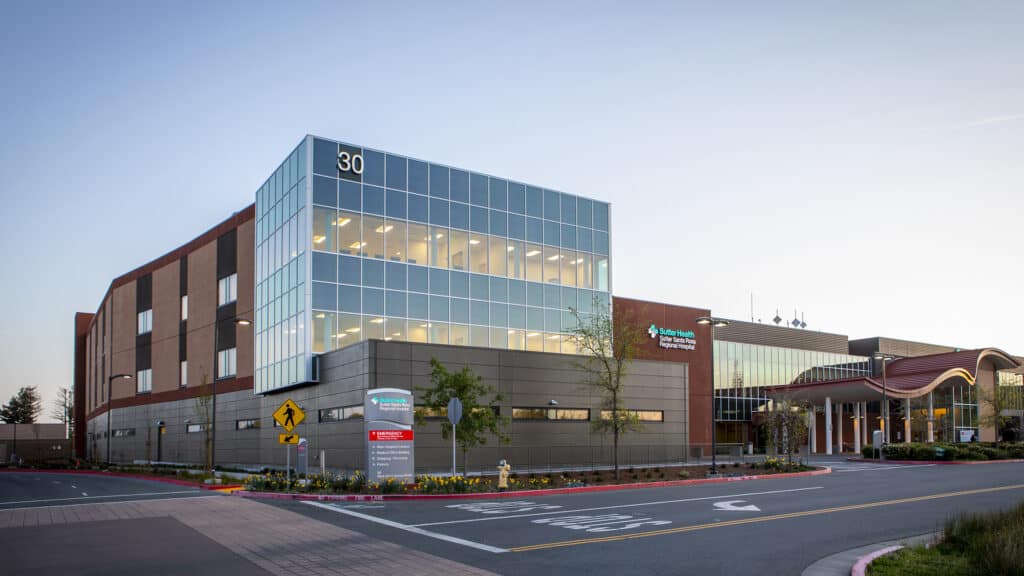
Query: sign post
{"points": [[390, 452], [289, 415], [454, 415]]}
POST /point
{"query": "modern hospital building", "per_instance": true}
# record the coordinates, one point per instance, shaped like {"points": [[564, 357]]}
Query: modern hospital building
{"points": [[354, 267]]}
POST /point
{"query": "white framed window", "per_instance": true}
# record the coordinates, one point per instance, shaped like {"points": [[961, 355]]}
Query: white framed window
{"points": [[184, 307], [184, 373], [226, 363], [144, 381], [146, 321], [193, 428], [227, 290]]}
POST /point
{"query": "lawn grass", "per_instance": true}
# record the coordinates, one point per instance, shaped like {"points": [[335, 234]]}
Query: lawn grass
{"points": [[921, 561]]}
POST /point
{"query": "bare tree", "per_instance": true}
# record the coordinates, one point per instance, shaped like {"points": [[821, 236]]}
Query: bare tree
{"points": [[786, 422], [204, 411], [608, 343], [62, 410], [991, 405]]}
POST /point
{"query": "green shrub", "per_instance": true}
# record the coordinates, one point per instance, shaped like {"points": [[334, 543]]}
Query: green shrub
{"points": [[684, 474], [868, 451]]}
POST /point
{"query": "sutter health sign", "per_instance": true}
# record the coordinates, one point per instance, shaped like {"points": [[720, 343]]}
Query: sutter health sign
{"points": [[390, 448], [673, 339]]}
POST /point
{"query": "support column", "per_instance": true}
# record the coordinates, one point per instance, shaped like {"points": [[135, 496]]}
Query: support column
{"points": [[864, 425], [931, 418], [828, 425], [839, 429], [856, 427], [814, 429], [906, 420]]}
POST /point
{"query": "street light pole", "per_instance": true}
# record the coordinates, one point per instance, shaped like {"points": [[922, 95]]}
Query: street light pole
{"points": [[213, 386], [110, 387], [885, 404], [714, 323]]}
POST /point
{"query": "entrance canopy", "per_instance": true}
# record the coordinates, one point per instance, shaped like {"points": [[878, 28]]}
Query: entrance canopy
{"points": [[905, 377]]}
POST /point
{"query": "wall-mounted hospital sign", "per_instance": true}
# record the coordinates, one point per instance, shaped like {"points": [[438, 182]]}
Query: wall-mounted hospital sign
{"points": [[673, 339]]}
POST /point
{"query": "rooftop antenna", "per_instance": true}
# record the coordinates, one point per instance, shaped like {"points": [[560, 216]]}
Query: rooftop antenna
{"points": [[802, 323], [751, 306], [796, 321], [777, 318]]}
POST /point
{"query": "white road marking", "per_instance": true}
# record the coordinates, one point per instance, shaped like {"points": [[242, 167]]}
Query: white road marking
{"points": [[503, 507], [719, 497], [732, 505], [408, 528], [76, 487], [876, 467], [604, 523], [85, 496]]}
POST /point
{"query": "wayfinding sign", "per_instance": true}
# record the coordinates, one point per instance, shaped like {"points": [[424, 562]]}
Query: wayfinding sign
{"points": [[388, 416], [289, 415]]}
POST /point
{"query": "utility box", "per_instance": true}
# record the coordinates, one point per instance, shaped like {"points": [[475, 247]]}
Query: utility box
{"points": [[877, 437]]}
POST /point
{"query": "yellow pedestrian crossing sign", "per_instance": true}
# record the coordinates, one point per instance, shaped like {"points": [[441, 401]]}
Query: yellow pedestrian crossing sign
{"points": [[288, 438], [289, 415]]}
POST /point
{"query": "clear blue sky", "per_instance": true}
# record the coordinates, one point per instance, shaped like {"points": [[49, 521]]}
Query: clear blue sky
{"points": [[860, 163]]}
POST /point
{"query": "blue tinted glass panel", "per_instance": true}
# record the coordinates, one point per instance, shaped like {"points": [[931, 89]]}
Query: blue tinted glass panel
{"points": [[517, 292], [585, 239], [586, 299], [568, 236], [373, 301], [478, 312], [418, 208], [535, 319], [439, 212], [478, 287], [325, 296], [568, 298], [417, 177], [516, 198], [325, 267], [460, 310], [396, 204], [551, 204], [516, 227], [418, 306], [534, 202], [325, 157], [478, 219], [348, 298], [439, 308], [534, 230], [478, 189], [395, 276], [553, 320], [373, 200], [499, 289], [601, 243], [568, 209], [373, 169], [499, 315], [438, 281], [396, 172], [460, 186], [417, 277], [552, 296], [585, 212], [350, 270], [394, 304], [600, 216], [517, 317], [373, 273], [438, 181], [460, 216], [551, 232], [498, 223], [325, 191], [534, 294], [499, 194], [460, 285], [351, 198]]}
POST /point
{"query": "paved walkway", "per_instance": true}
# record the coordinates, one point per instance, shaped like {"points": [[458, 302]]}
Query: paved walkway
{"points": [[842, 563], [277, 540]]}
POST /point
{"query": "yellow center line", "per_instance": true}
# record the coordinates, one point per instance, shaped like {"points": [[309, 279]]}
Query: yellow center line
{"points": [[757, 519]]}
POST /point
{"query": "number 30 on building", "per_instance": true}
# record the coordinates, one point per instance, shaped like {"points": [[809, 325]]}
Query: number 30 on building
{"points": [[348, 162]]}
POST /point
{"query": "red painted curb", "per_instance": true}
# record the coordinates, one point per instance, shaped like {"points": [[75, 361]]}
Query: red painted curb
{"points": [[938, 462], [518, 493], [861, 566], [154, 478]]}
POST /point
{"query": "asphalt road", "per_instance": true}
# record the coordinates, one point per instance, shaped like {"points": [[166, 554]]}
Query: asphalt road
{"points": [[33, 489], [757, 527]]}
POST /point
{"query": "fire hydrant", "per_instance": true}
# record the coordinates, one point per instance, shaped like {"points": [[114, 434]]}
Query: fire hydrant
{"points": [[503, 471]]}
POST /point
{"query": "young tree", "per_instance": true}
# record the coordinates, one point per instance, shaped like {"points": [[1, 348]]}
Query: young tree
{"points": [[23, 407], [479, 415], [608, 343], [786, 423], [991, 405], [203, 410], [62, 410]]}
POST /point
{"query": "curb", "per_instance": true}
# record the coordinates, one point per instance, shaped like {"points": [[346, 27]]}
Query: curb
{"points": [[518, 493], [154, 478], [861, 567], [939, 462]]}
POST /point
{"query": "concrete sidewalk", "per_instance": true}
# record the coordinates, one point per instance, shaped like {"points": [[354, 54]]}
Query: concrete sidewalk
{"points": [[277, 540], [840, 564]]}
